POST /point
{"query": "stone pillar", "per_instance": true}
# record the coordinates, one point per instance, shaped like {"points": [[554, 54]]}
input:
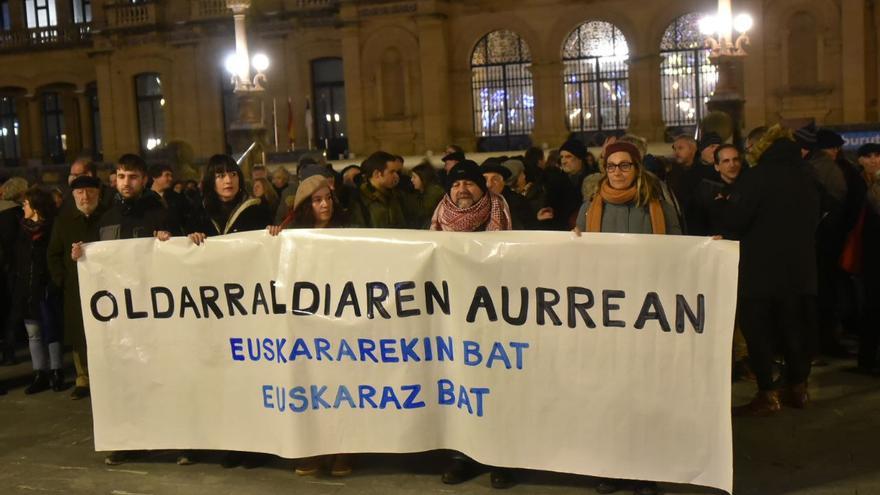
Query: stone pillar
{"points": [[25, 127], [433, 57], [462, 110], [549, 104], [853, 61], [755, 67], [354, 99], [645, 114], [17, 18], [111, 136], [35, 126], [63, 12], [86, 126]]}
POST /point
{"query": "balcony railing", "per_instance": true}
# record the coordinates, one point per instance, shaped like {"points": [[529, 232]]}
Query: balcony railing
{"points": [[209, 9], [128, 15], [313, 4], [46, 37]]}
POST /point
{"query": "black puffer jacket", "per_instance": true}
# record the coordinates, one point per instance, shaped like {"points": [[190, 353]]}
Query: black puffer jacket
{"points": [[136, 218]]}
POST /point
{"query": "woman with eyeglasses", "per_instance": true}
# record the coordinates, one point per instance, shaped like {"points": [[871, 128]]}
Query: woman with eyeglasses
{"points": [[628, 200]]}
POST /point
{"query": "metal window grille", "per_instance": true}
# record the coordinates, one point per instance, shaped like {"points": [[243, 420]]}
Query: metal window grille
{"points": [[330, 116], [503, 94], [596, 79], [687, 77]]}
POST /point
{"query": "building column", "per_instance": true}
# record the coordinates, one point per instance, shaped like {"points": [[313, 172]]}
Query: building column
{"points": [[63, 12], [853, 61], [433, 57], [645, 114], [550, 130], [110, 134], [35, 126], [17, 19], [354, 100], [462, 110], [22, 111], [86, 127]]}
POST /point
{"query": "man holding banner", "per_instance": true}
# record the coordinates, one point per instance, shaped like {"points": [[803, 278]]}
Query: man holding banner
{"points": [[469, 206]]}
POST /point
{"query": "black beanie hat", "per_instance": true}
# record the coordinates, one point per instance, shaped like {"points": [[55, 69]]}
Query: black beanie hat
{"points": [[576, 148], [465, 170], [828, 139]]}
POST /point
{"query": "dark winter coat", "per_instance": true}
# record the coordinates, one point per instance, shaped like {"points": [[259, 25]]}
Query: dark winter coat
{"points": [[378, 209], [71, 226], [136, 218], [564, 195], [420, 205], [30, 272], [249, 214], [775, 214], [522, 216]]}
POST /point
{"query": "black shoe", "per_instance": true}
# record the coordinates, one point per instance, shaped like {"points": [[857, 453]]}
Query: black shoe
{"points": [[40, 383], [645, 488], [608, 486], [458, 472], [80, 393], [56, 380], [252, 461], [116, 458], [232, 460], [501, 479]]}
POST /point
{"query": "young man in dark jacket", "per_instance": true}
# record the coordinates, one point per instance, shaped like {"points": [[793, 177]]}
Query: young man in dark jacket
{"points": [[134, 214]]}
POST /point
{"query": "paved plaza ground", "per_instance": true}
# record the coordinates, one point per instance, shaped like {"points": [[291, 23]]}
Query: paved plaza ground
{"points": [[832, 448]]}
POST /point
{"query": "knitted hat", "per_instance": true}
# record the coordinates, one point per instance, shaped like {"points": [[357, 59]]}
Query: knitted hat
{"points": [[315, 170], [576, 148], [626, 147], [84, 181], [868, 149], [494, 168], [308, 187], [806, 136], [466, 170]]}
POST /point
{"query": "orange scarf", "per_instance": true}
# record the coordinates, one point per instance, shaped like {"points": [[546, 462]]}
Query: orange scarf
{"points": [[621, 197]]}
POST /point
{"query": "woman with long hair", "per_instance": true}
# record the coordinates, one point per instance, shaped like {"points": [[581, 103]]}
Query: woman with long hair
{"points": [[227, 207], [266, 193], [425, 196], [628, 199]]}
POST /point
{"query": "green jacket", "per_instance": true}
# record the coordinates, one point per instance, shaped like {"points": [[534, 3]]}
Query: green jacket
{"points": [[70, 226], [378, 209], [420, 206]]}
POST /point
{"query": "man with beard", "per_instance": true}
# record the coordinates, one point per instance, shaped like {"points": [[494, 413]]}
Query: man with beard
{"points": [[469, 206], [73, 227]]}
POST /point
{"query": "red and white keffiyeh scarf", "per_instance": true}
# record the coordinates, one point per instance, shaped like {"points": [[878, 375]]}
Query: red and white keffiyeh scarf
{"points": [[489, 213]]}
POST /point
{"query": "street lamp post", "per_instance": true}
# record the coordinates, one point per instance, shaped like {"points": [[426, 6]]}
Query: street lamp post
{"points": [[727, 54], [248, 126]]}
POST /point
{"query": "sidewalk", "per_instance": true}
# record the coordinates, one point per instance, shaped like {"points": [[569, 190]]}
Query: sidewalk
{"points": [[832, 448]]}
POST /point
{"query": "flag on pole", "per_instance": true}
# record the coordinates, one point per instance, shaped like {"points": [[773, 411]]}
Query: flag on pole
{"points": [[310, 130], [291, 137]]}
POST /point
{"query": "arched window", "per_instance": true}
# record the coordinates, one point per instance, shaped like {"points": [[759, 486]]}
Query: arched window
{"points": [[504, 103], [596, 80], [687, 77]]}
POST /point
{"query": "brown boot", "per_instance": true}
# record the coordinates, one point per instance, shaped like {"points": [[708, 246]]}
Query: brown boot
{"points": [[796, 396], [765, 403]]}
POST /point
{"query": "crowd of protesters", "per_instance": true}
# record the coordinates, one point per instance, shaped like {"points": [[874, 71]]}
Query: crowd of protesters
{"points": [[806, 217]]}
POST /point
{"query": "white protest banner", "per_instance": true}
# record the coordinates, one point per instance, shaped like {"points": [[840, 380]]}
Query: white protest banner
{"points": [[605, 355]]}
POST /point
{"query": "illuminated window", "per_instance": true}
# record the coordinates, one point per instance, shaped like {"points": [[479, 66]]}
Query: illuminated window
{"points": [[596, 79], [151, 111], [82, 11], [503, 94], [687, 77], [40, 13]]}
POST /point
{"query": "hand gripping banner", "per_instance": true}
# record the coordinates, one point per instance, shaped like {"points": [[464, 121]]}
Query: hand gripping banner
{"points": [[605, 355]]}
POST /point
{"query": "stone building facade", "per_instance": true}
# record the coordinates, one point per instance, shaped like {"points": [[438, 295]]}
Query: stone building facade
{"points": [[112, 76]]}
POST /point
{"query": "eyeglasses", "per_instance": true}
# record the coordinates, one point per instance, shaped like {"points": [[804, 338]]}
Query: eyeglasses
{"points": [[622, 166]]}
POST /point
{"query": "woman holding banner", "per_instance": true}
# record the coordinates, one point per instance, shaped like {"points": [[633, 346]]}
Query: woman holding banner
{"points": [[227, 207], [315, 207], [627, 202]]}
